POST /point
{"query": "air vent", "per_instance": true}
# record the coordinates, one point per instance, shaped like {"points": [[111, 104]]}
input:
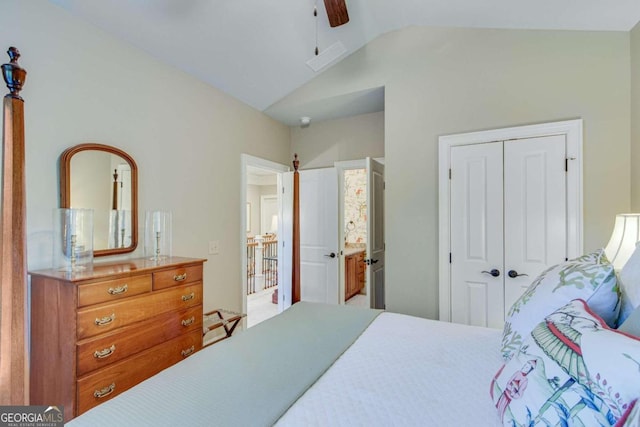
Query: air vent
{"points": [[327, 56]]}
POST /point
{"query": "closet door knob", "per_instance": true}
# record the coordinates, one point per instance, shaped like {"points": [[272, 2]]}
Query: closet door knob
{"points": [[331, 255], [513, 274], [495, 272]]}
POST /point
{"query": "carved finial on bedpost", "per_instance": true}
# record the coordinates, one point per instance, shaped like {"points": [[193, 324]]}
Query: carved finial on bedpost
{"points": [[296, 162], [14, 75]]}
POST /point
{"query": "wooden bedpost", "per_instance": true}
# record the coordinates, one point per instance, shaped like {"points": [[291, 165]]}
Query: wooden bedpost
{"points": [[295, 273], [13, 263]]}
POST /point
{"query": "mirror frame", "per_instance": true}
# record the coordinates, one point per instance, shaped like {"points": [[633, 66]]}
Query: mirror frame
{"points": [[65, 192]]}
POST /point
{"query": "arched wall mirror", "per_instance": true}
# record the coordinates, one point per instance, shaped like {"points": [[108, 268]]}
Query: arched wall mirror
{"points": [[105, 179]]}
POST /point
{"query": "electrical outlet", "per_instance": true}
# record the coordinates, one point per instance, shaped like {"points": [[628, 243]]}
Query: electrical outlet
{"points": [[214, 247]]}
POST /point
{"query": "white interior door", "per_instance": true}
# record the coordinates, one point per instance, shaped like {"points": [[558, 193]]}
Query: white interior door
{"points": [[477, 296], [508, 223], [535, 215], [319, 235], [375, 233]]}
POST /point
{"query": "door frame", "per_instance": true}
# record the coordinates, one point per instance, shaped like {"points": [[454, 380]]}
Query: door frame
{"points": [[341, 167], [284, 262], [572, 129]]}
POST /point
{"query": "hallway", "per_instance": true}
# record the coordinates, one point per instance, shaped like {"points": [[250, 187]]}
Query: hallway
{"points": [[260, 307]]}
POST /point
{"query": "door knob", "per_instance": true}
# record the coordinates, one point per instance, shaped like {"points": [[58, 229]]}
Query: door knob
{"points": [[331, 255], [495, 272], [513, 274]]}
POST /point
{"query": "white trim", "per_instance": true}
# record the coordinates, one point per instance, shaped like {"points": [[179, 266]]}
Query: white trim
{"points": [[572, 129], [277, 168]]}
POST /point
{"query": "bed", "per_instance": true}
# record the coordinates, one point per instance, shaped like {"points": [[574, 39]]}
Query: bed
{"points": [[558, 362], [322, 365]]}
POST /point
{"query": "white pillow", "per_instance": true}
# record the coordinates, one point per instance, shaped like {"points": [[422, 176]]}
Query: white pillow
{"points": [[590, 278], [629, 278]]}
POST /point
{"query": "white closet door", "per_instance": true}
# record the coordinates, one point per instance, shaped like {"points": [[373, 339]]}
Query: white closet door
{"points": [[477, 296], [535, 211]]}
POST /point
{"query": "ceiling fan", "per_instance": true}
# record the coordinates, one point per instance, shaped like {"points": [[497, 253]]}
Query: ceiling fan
{"points": [[337, 12]]}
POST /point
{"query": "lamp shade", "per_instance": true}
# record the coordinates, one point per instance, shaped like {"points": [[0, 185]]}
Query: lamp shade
{"points": [[626, 233]]}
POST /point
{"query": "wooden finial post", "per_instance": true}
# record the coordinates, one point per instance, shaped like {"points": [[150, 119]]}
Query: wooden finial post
{"points": [[295, 272], [13, 260], [14, 75]]}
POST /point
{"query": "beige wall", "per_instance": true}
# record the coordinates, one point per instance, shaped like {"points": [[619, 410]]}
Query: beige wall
{"points": [[442, 81], [350, 138], [635, 118], [186, 137]]}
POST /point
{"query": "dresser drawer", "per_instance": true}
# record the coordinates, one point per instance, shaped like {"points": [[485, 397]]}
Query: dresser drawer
{"points": [[103, 318], [111, 290], [106, 383], [177, 276], [105, 349]]}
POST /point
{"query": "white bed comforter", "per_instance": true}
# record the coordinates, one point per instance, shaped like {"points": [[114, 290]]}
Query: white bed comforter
{"points": [[406, 371]]}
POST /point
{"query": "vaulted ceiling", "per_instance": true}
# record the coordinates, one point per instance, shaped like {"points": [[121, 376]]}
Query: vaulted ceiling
{"points": [[257, 50]]}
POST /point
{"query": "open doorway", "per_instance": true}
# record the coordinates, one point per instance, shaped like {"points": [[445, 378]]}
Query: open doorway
{"points": [[354, 219], [361, 232], [262, 257]]}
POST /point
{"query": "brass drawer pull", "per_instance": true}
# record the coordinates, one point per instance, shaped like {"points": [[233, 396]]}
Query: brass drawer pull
{"points": [[102, 354], [119, 290], [188, 297], [106, 391], [188, 351], [105, 320], [189, 321], [180, 277]]}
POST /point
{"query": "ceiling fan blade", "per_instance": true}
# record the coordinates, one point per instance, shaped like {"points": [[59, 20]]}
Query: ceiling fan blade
{"points": [[337, 12]]}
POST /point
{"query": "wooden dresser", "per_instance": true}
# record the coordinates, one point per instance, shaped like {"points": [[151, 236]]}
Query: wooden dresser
{"points": [[354, 274], [99, 332]]}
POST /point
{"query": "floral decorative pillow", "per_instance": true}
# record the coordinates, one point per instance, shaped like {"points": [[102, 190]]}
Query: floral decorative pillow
{"points": [[596, 257], [571, 370], [590, 277]]}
